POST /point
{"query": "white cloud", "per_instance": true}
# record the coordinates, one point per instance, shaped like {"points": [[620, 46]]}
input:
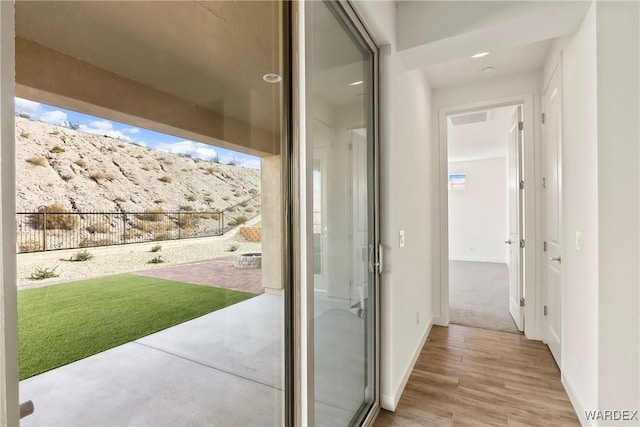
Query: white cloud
{"points": [[104, 127], [24, 106], [55, 117], [132, 131], [251, 163], [189, 147]]}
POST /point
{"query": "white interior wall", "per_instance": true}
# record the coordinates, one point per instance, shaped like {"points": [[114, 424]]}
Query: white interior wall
{"points": [[408, 202], [579, 212], [618, 94], [478, 213]]}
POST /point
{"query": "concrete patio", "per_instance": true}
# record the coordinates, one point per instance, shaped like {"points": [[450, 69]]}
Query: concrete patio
{"points": [[221, 369]]}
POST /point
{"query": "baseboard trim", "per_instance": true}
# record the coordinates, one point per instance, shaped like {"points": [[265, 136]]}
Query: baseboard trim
{"points": [[491, 260], [439, 322], [575, 402], [390, 401]]}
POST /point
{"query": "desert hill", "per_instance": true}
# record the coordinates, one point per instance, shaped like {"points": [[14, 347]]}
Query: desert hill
{"points": [[86, 172]]}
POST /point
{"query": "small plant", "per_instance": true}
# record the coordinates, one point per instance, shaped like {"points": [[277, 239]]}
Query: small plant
{"points": [[57, 150], [233, 247], [208, 200], [225, 198], [42, 273], [253, 191], [81, 162], [239, 220], [146, 168], [80, 256], [97, 176], [210, 170], [99, 227], [24, 116], [121, 199], [155, 215], [158, 201], [30, 246], [249, 209], [37, 161], [55, 132], [166, 179], [186, 208], [156, 248], [156, 260], [191, 198]]}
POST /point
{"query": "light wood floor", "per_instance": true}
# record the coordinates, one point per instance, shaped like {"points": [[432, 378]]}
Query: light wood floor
{"points": [[471, 377]]}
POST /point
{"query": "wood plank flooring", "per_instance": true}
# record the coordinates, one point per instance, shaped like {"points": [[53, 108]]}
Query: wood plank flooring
{"points": [[471, 377]]}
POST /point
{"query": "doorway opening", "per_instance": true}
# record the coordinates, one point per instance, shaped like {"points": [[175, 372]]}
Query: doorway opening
{"points": [[485, 218]]}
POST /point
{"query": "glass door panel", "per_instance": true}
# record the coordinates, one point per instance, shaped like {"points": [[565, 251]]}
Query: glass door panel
{"points": [[340, 123]]}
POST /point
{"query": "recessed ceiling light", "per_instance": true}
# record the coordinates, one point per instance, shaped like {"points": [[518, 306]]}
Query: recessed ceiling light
{"points": [[359, 82], [488, 70], [272, 78], [480, 55]]}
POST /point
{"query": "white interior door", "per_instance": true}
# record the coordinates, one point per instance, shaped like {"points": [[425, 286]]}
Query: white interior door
{"points": [[552, 227], [322, 142], [515, 220]]}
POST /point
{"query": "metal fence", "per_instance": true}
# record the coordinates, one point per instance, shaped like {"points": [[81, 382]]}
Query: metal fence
{"points": [[52, 229]]}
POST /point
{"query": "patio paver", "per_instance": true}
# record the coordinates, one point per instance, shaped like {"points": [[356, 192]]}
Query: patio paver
{"points": [[219, 273]]}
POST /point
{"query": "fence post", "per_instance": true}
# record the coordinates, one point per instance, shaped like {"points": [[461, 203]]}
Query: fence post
{"points": [[44, 228], [179, 226], [124, 228]]}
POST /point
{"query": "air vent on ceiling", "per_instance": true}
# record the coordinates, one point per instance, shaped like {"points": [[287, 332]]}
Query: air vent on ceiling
{"points": [[468, 118]]}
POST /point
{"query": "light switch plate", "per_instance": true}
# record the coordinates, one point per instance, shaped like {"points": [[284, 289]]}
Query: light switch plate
{"points": [[578, 240], [402, 238]]}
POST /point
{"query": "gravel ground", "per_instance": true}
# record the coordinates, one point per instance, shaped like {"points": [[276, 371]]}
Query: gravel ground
{"points": [[128, 258]]}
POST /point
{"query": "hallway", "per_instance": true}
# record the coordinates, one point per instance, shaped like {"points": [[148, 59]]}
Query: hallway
{"points": [[470, 376]]}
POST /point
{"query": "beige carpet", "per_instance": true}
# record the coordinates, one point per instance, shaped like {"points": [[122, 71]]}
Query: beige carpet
{"points": [[479, 295]]}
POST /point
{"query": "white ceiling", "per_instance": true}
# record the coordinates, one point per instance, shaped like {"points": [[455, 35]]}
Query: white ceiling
{"points": [[440, 36], [486, 140]]}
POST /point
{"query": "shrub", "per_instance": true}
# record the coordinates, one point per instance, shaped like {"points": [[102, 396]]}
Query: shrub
{"points": [[37, 161], [97, 176], [121, 145], [191, 198], [131, 234], [244, 204], [25, 135], [210, 170], [156, 260], [156, 248], [233, 247], [57, 218], [155, 215], [42, 273], [186, 208], [210, 215], [253, 191], [188, 221], [225, 198], [249, 209], [166, 179], [81, 162], [80, 256], [24, 116], [208, 200], [239, 220], [55, 132], [162, 236], [109, 177], [30, 246], [146, 168], [99, 227], [121, 199], [67, 176], [57, 150], [158, 201]]}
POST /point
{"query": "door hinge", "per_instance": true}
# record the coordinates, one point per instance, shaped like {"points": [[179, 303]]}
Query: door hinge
{"points": [[545, 310], [521, 302], [543, 118], [544, 246], [522, 185], [544, 182], [520, 125], [522, 243]]}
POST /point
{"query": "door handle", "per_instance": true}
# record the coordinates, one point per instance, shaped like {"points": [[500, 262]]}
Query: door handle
{"points": [[371, 266], [508, 242], [559, 259]]}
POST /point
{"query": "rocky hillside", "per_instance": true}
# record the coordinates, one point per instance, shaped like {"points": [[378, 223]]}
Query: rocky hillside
{"points": [[85, 172]]}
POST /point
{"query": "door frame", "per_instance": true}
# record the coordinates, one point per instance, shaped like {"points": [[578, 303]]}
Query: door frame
{"points": [[302, 211], [532, 291]]}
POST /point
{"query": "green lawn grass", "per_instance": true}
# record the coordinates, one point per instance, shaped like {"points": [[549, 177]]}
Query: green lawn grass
{"points": [[63, 323]]}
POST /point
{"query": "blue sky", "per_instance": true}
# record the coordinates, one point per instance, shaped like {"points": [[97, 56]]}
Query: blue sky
{"points": [[132, 134]]}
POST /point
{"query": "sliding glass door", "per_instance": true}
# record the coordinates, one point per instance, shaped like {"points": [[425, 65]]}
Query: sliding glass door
{"points": [[340, 121]]}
